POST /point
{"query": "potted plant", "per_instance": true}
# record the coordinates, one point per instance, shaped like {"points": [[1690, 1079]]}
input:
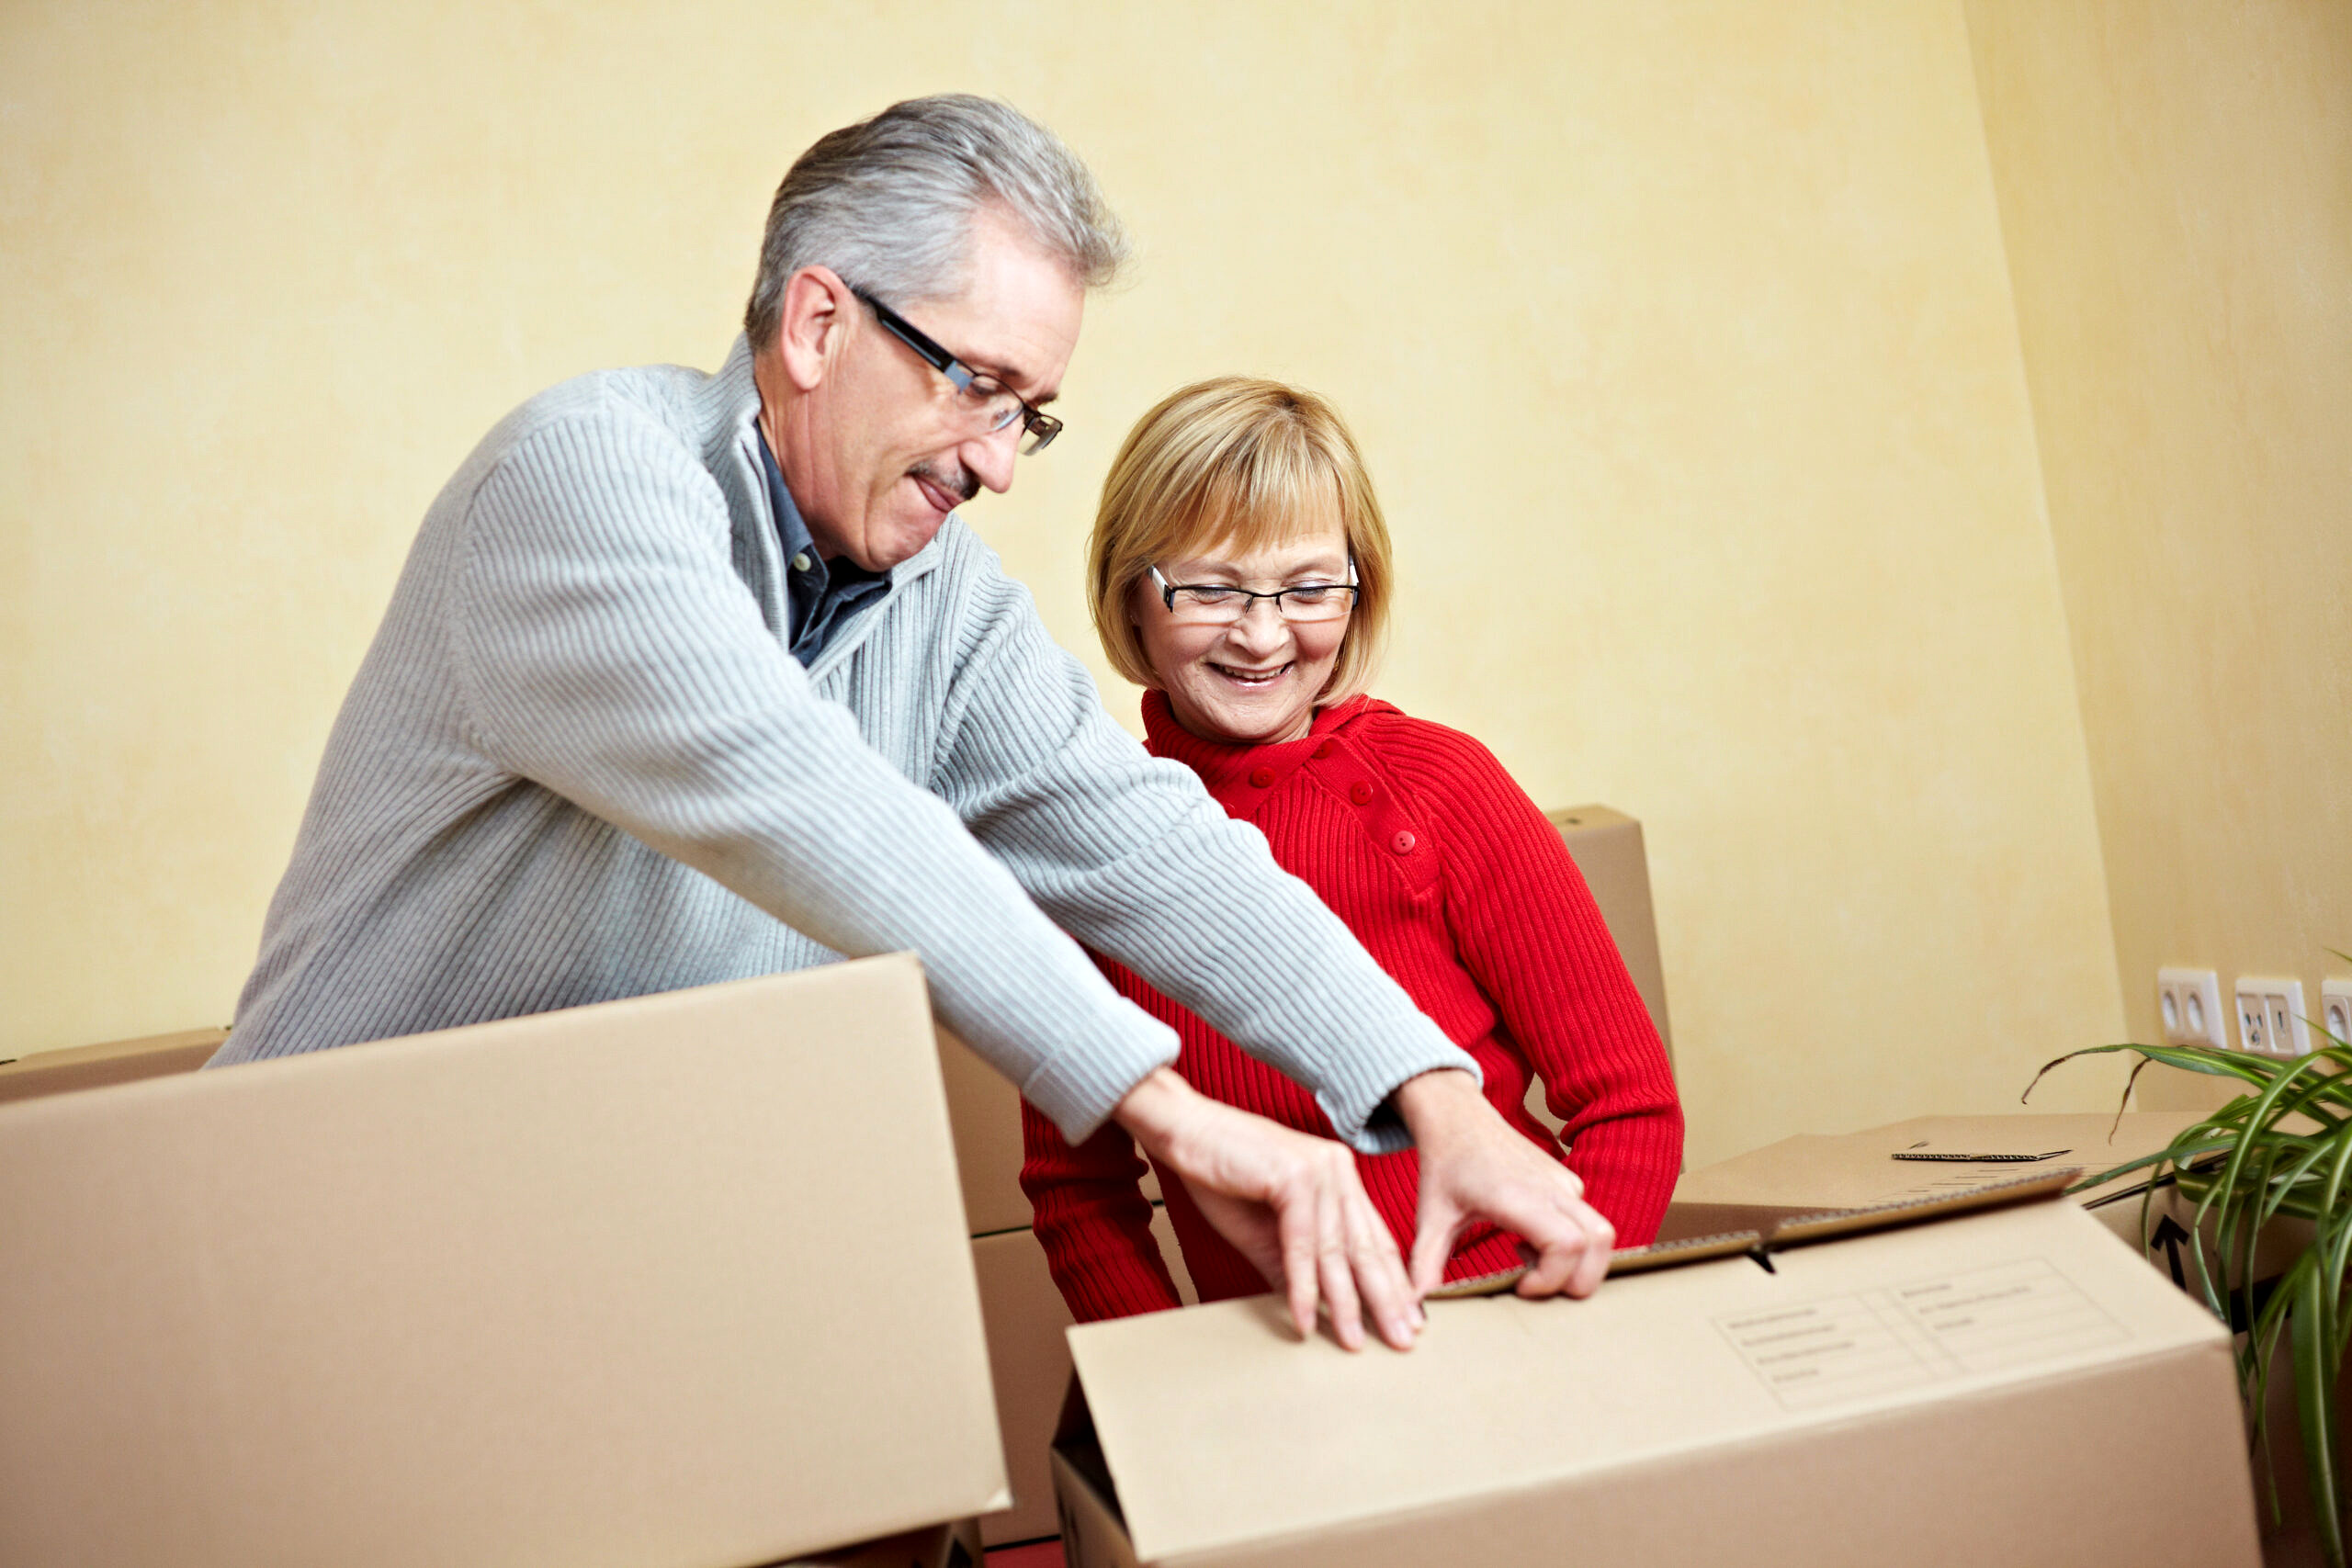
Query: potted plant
{"points": [[2281, 1147]]}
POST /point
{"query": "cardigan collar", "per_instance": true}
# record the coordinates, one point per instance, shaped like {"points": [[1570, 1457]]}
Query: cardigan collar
{"points": [[725, 405], [1236, 773]]}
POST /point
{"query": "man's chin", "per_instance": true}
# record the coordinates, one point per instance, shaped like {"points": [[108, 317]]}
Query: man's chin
{"points": [[903, 541]]}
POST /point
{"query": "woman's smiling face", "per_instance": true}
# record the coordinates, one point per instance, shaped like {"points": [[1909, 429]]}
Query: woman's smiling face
{"points": [[1256, 680]]}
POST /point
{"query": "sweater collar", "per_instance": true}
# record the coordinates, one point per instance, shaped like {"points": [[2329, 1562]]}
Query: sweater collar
{"points": [[728, 405], [1227, 769]]}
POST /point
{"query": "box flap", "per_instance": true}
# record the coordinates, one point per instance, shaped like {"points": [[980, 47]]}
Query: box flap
{"points": [[1859, 1171], [1796, 1227], [620, 1285], [1220, 1428], [116, 1061]]}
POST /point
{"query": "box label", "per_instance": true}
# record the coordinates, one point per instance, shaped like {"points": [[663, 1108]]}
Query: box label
{"points": [[1812, 1354]]}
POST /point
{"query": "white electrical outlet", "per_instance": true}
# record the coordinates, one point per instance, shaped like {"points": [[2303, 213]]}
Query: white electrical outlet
{"points": [[2188, 1002], [2335, 1009], [2271, 1018]]}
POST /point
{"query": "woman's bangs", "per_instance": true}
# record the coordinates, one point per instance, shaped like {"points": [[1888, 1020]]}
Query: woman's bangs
{"points": [[1270, 505]]}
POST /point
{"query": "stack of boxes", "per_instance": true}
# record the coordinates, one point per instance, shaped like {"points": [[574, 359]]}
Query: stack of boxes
{"points": [[1028, 1357]]}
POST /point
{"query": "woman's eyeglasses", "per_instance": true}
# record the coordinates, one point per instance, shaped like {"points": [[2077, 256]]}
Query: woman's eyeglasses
{"points": [[1217, 604]]}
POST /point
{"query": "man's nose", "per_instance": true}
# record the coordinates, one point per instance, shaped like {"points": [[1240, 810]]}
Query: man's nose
{"points": [[990, 457]]}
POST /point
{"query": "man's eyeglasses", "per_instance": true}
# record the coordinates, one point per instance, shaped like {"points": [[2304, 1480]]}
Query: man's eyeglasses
{"points": [[1215, 603], [989, 402]]}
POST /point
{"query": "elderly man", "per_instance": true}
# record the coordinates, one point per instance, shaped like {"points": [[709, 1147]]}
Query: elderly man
{"points": [[690, 678]]}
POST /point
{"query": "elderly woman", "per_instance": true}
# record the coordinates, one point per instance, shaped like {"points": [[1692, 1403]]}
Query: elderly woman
{"points": [[1240, 569]]}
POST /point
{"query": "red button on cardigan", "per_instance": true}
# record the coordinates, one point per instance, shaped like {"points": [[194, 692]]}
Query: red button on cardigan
{"points": [[1361, 793], [1403, 843], [1261, 777]]}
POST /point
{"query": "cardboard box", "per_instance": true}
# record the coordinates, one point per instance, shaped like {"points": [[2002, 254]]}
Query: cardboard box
{"points": [[985, 1109], [1810, 1173], [117, 1061], [1029, 1361], [954, 1545], [2007, 1386], [622, 1285], [1817, 1172], [1813, 1172], [1606, 847]]}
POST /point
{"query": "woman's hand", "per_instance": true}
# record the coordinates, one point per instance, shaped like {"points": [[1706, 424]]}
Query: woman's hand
{"points": [[1476, 1166], [1289, 1201]]}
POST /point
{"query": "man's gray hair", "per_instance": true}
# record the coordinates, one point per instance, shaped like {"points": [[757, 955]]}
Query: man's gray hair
{"points": [[889, 203]]}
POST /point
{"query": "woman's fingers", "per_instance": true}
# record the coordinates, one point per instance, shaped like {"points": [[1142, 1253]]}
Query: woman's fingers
{"points": [[1572, 1254], [1476, 1166], [1441, 1222]]}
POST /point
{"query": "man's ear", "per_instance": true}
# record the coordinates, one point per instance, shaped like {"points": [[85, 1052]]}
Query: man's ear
{"points": [[816, 305]]}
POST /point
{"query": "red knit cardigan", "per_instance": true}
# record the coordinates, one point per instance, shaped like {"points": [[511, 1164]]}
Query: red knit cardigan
{"points": [[1452, 878]]}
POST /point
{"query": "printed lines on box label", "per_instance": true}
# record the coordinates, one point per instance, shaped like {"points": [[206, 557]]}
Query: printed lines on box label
{"points": [[1873, 1342]]}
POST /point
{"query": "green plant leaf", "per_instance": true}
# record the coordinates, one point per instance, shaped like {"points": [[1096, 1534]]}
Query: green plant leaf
{"points": [[2315, 1399], [2281, 1147]]}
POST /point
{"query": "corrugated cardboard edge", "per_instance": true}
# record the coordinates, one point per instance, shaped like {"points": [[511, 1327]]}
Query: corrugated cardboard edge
{"points": [[1799, 1231], [1624, 1260], [1830, 1225]]}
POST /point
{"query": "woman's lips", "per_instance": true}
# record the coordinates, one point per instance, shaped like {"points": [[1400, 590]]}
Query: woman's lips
{"points": [[1251, 678]]}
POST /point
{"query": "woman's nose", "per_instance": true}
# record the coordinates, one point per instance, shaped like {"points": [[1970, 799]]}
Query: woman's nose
{"points": [[1261, 625]]}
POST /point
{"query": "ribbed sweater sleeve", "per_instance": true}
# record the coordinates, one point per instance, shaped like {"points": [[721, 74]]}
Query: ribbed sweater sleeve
{"points": [[1093, 1221], [1529, 932], [605, 649]]}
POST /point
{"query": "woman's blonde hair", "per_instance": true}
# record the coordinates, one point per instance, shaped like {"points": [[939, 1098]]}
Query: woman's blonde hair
{"points": [[1241, 463]]}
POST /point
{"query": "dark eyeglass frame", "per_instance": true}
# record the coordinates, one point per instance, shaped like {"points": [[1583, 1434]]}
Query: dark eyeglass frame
{"points": [[1039, 426], [1250, 596]]}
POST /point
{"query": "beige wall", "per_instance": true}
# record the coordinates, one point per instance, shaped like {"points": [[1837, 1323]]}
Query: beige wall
{"points": [[1680, 337], [2176, 190]]}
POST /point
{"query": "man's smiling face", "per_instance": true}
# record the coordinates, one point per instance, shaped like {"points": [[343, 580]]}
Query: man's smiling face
{"points": [[876, 446]]}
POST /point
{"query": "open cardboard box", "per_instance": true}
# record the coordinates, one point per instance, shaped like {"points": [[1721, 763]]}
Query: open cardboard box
{"points": [[1029, 1360], [681, 1279], [1936, 1383]]}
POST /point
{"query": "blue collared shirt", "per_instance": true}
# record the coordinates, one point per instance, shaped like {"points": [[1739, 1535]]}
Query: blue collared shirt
{"points": [[821, 596]]}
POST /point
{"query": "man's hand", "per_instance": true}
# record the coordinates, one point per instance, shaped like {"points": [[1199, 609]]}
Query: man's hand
{"points": [[1292, 1202], [1476, 1166]]}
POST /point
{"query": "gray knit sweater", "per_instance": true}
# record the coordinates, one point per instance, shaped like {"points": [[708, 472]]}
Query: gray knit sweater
{"points": [[577, 763]]}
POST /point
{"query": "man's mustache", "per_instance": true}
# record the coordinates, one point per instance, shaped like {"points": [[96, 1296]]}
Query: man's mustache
{"points": [[957, 482]]}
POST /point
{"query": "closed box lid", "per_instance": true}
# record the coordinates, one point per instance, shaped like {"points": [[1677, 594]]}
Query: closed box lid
{"points": [[676, 1281]]}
